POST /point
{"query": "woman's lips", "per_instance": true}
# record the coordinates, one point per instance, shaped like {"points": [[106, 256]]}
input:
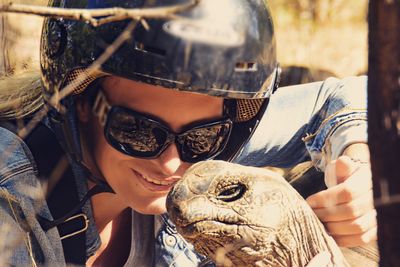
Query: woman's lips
{"points": [[153, 184]]}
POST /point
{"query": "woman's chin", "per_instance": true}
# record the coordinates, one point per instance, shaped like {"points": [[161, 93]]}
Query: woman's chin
{"points": [[155, 207]]}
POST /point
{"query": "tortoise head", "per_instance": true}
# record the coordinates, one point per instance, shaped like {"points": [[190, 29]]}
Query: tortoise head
{"points": [[250, 216], [217, 203]]}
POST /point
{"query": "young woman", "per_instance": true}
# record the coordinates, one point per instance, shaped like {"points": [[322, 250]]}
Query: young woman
{"points": [[196, 87]]}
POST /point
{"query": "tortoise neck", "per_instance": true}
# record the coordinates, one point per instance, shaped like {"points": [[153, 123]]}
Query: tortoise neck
{"points": [[311, 238]]}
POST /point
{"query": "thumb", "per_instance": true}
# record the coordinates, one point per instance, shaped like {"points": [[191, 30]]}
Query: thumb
{"points": [[345, 167]]}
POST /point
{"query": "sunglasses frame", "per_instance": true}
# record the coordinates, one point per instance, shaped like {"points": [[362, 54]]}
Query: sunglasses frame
{"points": [[103, 110]]}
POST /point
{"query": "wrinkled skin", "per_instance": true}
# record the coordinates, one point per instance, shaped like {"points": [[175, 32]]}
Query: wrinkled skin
{"points": [[247, 217]]}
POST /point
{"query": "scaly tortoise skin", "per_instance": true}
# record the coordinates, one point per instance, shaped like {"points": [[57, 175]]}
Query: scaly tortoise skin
{"points": [[251, 216]]}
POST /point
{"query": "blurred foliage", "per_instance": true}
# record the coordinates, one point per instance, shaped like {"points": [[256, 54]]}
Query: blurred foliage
{"points": [[322, 34], [320, 11], [19, 39]]}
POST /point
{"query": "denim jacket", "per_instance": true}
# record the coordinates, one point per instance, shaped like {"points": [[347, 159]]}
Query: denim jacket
{"points": [[314, 121]]}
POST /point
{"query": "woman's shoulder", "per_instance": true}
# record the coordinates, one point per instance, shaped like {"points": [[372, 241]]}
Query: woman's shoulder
{"points": [[15, 155]]}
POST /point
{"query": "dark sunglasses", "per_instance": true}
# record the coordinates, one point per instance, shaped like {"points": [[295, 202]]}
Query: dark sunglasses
{"points": [[140, 135]]}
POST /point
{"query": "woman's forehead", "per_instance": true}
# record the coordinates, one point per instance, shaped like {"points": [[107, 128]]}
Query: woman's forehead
{"points": [[117, 88], [174, 107]]}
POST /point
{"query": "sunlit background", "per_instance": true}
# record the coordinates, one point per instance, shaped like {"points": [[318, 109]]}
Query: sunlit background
{"points": [[318, 34], [323, 34]]}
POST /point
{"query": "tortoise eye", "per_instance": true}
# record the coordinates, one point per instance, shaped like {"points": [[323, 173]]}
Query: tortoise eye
{"points": [[232, 193]]}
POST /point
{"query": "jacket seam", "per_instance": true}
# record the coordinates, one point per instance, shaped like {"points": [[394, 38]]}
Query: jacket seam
{"points": [[335, 127], [329, 134], [27, 240], [11, 172], [325, 121]]}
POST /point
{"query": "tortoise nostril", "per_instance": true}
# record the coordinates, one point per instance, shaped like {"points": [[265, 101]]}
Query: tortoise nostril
{"points": [[232, 193]]}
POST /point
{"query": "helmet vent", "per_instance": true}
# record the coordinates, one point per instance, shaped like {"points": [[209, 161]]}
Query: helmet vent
{"points": [[150, 49], [79, 87], [246, 109], [245, 66]]}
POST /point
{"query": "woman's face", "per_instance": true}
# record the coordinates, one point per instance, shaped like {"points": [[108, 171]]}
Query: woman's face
{"points": [[138, 181]]}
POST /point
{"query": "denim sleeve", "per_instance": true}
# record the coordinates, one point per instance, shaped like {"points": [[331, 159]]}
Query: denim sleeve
{"points": [[340, 120], [314, 121], [21, 199]]}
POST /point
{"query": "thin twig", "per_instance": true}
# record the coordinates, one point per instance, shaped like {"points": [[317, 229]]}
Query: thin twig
{"points": [[57, 97], [99, 16], [96, 65], [89, 16]]}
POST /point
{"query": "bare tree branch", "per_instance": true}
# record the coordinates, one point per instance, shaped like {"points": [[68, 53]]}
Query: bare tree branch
{"points": [[138, 15], [95, 18], [100, 16], [95, 66], [58, 96]]}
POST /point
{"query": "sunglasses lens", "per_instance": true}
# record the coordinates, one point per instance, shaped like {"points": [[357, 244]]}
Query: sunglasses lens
{"points": [[204, 142], [134, 135]]}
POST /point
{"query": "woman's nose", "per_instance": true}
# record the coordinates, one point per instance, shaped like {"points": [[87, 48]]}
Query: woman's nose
{"points": [[169, 160]]}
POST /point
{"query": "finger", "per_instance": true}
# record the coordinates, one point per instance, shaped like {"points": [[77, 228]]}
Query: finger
{"points": [[330, 174], [358, 239], [357, 184], [321, 260], [345, 167], [360, 225], [337, 171], [347, 211]]}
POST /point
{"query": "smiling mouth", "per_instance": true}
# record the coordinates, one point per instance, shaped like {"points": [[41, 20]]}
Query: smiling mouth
{"points": [[154, 181]]}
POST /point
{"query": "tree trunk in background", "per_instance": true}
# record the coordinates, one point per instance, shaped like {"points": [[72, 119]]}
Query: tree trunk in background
{"points": [[384, 123], [19, 40]]}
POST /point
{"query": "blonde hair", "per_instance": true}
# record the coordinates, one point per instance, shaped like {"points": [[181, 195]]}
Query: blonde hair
{"points": [[20, 94]]}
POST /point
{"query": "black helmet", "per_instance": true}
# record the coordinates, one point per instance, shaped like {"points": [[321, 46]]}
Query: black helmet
{"points": [[222, 48]]}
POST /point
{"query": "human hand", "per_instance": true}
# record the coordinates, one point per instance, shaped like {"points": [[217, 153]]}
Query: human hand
{"points": [[346, 207]]}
